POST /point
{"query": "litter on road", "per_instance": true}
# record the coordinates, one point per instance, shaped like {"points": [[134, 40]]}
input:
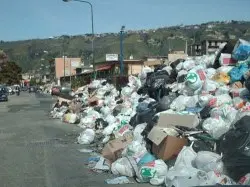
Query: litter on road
{"points": [[182, 124]]}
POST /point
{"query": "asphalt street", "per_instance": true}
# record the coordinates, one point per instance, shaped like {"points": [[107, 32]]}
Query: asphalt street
{"points": [[36, 151]]}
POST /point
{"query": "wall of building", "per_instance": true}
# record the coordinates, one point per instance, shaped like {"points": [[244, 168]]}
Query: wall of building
{"points": [[134, 69], [175, 56], [70, 64]]}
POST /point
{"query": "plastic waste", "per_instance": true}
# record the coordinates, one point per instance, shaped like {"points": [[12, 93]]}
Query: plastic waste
{"points": [[241, 50], [208, 161], [153, 172], [238, 102], [216, 127], [193, 80], [119, 180], [188, 64], [146, 158], [182, 167], [86, 137], [179, 103], [245, 180], [165, 102], [237, 73], [137, 132], [221, 77], [135, 149], [123, 167], [220, 100]]}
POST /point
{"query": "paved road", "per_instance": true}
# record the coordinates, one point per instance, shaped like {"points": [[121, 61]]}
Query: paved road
{"points": [[36, 151]]}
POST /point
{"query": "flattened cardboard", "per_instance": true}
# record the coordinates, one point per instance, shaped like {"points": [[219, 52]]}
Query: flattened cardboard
{"points": [[157, 135]]}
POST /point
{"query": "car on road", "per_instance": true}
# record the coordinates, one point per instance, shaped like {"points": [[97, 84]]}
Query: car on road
{"points": [[10, 90], [3, 93], [24, 88]]}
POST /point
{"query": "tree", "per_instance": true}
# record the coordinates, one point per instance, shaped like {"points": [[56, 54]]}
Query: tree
{"points": [[10, 73], [3, 57], [32, 81]]}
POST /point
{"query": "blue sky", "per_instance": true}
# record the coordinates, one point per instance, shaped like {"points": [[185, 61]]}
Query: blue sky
{"points": [[26, 19]]}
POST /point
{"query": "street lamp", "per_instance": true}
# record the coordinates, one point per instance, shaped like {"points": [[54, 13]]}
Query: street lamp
{"points": [[121, 49], [92, 26]]}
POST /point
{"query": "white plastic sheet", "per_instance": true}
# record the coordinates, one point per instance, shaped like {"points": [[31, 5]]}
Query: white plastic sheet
{"points": [[86, 137]]}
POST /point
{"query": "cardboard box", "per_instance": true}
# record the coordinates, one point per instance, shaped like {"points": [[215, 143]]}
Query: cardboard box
{"points": [[169, 148], [166, 147], [112, 150]]}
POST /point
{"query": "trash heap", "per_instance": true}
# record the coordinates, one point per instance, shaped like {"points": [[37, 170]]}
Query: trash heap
{"points": [[183, 124]]}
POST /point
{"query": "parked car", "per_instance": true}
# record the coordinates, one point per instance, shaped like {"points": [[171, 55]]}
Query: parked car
{"points": [[3, 93], [10, 91]]}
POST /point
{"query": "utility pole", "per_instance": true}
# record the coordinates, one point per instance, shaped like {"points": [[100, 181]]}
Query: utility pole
{"points": [[121, 50]]}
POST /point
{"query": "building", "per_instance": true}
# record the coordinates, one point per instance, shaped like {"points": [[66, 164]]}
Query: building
{"points": [[211, 46], [175, 55], [154, 58], [195, 50], [205, 47], [66, 67]]}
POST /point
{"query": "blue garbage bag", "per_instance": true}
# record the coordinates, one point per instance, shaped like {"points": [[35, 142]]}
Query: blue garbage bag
{"points": [[237, 73], [241, 50]]}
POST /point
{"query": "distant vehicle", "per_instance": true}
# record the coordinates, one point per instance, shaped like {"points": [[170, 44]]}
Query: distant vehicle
{"points": [[24, 88], [10, 91], [32, 89], [3, 93], [56, 90]]}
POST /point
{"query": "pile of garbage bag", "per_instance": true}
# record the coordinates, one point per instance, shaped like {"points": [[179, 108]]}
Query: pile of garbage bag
{"points": [[182, 124]]}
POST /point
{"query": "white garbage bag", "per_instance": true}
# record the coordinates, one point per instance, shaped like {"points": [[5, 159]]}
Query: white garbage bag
{"points": [[135, 149], [179, 103], [183, 168], [138, 130], [86, 137], [123, 167], [153, 172], [216, 127], [188, 64], [208, 161]]}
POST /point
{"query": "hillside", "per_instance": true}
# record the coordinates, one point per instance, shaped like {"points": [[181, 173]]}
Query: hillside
{"points": [[29, 53]]}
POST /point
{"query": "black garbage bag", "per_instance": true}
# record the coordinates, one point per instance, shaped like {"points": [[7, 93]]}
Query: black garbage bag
{"points": [[181, 79], [235, 146], [120, 101], [165, 102], [159, 67], [142, 106], [100, 124], [117, 110], [175, 63], [205, 112], [97, 109], [142, 91], [173, 76], [144, 114], [236, 165], [156, 82], [236, 139]]}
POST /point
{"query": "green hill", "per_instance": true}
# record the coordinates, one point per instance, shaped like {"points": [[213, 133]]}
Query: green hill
{"points": [[29, 53]]}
